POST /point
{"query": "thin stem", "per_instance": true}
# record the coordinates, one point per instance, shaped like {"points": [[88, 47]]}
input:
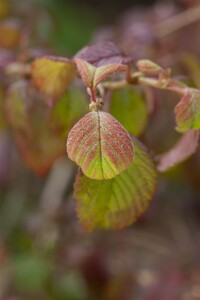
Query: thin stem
{"points": [[179, 21], [93, 95], [107, 100], [168, 84], [128, 72]]}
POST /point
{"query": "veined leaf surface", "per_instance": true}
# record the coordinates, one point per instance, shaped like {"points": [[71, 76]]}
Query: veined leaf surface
{"points": [[118, 202], [100, 145]]}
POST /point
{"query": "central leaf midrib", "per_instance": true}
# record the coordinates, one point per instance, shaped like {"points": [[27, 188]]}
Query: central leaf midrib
{"points": [[100, 149]]}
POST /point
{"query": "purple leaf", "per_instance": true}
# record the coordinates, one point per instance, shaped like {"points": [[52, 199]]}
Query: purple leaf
{"points": [[102, 54]]}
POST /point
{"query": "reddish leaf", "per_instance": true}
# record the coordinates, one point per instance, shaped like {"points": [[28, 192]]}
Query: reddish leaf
{"points": [[52, 75], [39, 131], [186, 146], [91, 75], [100, 146], [188, 111], [102, 54], [86, 71]]}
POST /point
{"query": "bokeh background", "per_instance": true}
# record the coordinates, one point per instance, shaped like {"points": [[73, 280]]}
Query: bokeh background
{"points": [[44, 251]]}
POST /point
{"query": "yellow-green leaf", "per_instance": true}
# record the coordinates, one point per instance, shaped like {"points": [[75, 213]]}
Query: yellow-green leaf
{"points": [[118, 202], [100, 145], [129, 108], [188, 111], [52, 75]]}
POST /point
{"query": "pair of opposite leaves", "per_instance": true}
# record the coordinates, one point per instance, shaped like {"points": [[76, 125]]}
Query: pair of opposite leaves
{"points": [[118, 176]]}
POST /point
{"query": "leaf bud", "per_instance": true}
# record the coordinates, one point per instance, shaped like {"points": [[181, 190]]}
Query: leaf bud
{"points": [[148, 67]]}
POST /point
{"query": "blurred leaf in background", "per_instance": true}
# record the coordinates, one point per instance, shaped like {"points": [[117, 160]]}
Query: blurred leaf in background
{"points": [[128, 107]]}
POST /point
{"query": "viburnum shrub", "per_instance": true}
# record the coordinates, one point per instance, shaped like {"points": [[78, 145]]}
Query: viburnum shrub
{"points": [[117, 175]]}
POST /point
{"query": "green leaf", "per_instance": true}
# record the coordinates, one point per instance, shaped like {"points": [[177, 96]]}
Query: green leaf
{"points": [[118, 202], [52, 75], [129, 108], [188, 111], [100, 146], [92, 75]]}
